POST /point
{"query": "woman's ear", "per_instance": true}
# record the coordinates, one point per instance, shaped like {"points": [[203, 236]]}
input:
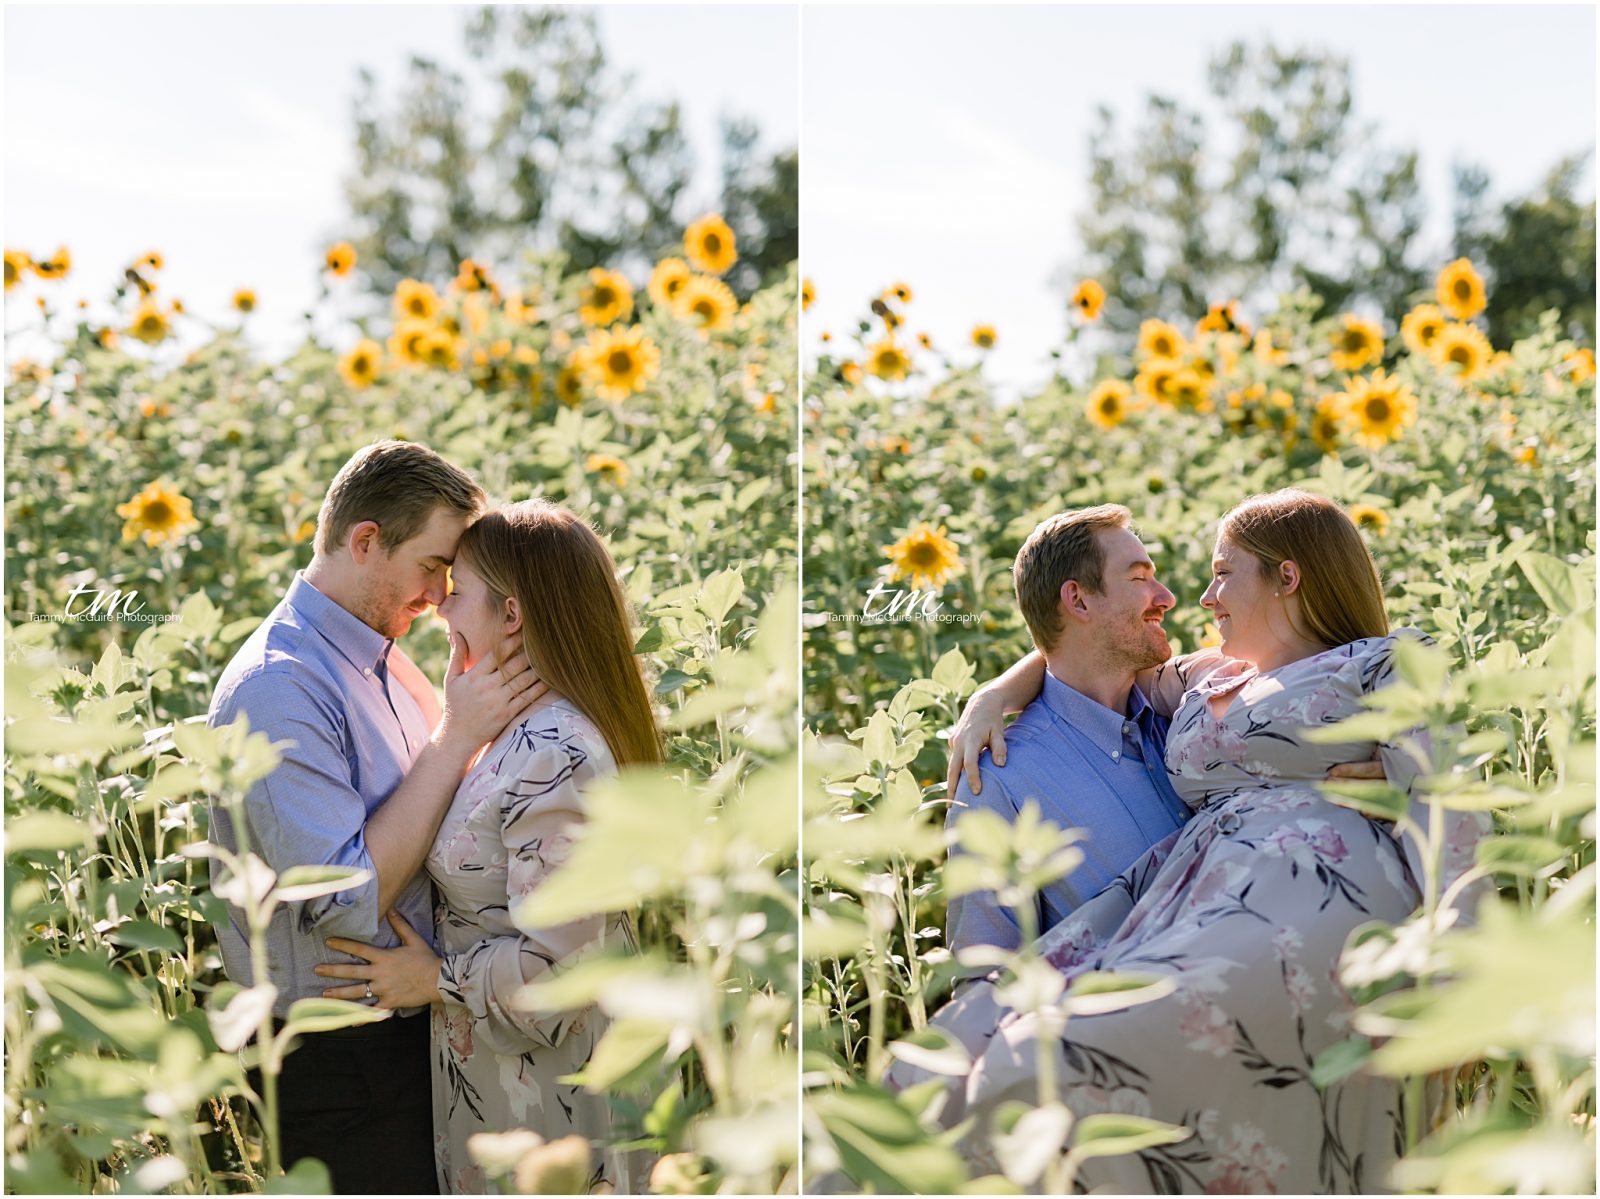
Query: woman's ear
{"points": [[511, 614], [1288, 577]]}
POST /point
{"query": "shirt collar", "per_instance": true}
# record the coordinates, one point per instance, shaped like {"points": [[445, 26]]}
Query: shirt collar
{"points": [[361, 644], [1092, 719]]}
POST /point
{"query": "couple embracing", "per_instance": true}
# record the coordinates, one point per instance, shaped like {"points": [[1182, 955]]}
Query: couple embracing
{"points": [[1211, 857], [455, 813]]}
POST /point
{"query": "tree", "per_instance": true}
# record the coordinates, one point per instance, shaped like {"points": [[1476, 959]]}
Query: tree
{"points": [[1538, 252], [539, 147], [1293, 193]]}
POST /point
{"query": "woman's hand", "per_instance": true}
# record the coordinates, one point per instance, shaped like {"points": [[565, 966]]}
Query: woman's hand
{"points": [[982, 725], [481, 701], [405, 976]]}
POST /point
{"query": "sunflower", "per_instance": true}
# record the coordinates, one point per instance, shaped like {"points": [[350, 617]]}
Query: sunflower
{"points": [[1357, 344], [925, 556], [710, 245], [1461, 291], [439, 349], [152, 260], [569, 383], [667, 280], [925, 341], [612, 470], [340, 259], [177, 306], [1421, 327], [405, 343], [888, 361], [16, 263], [619, 363], [891, 321], [1580, 366], [895, 444], [984, 337], [520, 309], [900, 293], [850, 372], [1374, 520], [1188, 390], [1223, 318], [1154, 378], [808, 295], [1377, 407], [607, 299], [706, 303], [107, 338], [360, 366], [244, 300], [415, 300], [1088, 298], [158, 514], [1264, 350], [1107, 406], [1157, 339], [473, 276], [150, 325], [1463, 349], [1327, 423], [56, 266]]}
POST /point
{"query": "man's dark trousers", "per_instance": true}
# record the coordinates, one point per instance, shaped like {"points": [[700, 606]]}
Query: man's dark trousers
{"points": [[360, 1100]]}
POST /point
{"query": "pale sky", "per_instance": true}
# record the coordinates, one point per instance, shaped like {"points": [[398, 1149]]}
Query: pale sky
{"points": [[219, 135], [947, 147]]}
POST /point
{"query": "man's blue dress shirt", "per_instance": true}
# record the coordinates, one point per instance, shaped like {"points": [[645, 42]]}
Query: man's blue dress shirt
{"points": [[1088, 768], [318, 676]]}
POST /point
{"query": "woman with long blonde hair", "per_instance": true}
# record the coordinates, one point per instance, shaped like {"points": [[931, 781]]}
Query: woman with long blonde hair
{"points": [[537, 575]]}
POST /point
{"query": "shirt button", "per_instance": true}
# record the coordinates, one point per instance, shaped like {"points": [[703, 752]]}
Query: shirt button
{"points": [[367, 671], [1116, 755], [1126, 729]]}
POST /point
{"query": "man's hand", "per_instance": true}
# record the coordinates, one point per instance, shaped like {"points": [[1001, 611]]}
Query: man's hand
{"points": [[405, 976], [1371, 769], [479, 703], [982, 725]]}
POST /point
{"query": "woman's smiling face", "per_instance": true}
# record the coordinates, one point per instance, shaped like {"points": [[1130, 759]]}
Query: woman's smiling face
{"points": [[1242, 603]]}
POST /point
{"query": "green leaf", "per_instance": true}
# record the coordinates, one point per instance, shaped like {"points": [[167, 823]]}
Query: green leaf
{"points": [[720, 593], [1111, 1135], [934, 1050], [1374, 799], [308, 1176], [1111, 991], [1558, 584], [46, 831], [326, 1015], [1340, 1060], [630, 1049], [146, 934], [299, 883], [1520, 854], [954, 673], [881, 1145]]}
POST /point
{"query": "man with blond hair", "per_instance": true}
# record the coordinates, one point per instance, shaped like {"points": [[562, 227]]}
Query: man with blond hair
{"points": [[369, 765]]}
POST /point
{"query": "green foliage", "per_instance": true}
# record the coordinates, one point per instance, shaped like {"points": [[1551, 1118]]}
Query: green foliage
{"points": [[125, 1046], [1480, 520]]}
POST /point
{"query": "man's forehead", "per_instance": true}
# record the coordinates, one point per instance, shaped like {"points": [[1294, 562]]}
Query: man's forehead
{"points": [[440, 538], [1123, 547]]}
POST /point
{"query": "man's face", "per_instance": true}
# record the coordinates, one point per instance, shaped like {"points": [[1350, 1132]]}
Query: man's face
{"points": [[398, 587], [1126, 616]]}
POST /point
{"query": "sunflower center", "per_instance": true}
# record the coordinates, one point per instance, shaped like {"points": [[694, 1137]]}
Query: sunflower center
{"points": [[713, 243], [1354, 341], [1461, 355], [923, 554], [674, 285], [157, 512], [1428, 331], [1378, 409], [1163, 347], [1463, 289], [705, 309], [604, 297], [619, 362], [1109, 405]]}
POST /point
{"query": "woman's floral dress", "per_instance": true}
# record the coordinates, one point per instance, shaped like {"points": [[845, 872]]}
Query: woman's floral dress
{"points": [[496, 1065], [1247, 908]]}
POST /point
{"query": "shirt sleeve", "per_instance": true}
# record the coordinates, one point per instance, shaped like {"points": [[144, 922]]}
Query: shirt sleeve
{"points": [[307, 812], [542, 811], [977, 918]]}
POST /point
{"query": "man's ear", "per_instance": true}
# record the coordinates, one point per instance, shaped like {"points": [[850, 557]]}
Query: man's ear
{"points": [[362, 541], [511, 615], [1073, 602], [1288, 577]]}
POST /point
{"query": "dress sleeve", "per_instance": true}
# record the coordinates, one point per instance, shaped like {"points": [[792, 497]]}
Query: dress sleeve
{"points": [[1405, 759], [541, 811], [1174, 677]]}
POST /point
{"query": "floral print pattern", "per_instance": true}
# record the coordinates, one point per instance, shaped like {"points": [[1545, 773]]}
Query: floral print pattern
{"points": [[496, 1064], [1247, 909]]}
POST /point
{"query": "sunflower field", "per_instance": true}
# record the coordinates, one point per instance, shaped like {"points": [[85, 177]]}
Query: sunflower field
{"points": [[158, 503], [1470, 468]]}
